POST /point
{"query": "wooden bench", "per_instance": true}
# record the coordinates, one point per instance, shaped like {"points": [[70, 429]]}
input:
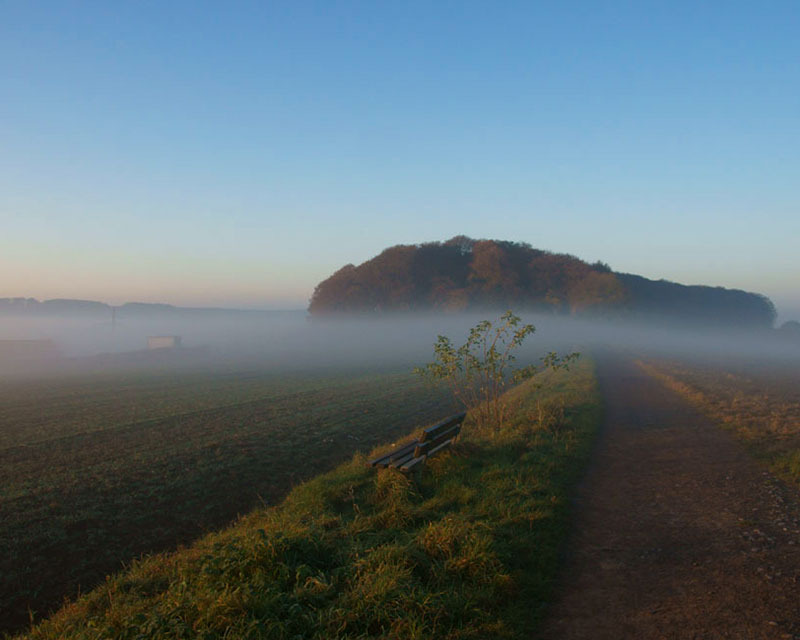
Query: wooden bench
{"points": [[433, 439]]}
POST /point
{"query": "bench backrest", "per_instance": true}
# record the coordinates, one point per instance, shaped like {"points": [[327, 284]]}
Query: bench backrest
{"points": [[438, 434], [432, 438], [431, 433]]}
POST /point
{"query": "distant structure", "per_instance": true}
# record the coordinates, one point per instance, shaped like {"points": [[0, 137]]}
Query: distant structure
{"points": [[163, 342]]}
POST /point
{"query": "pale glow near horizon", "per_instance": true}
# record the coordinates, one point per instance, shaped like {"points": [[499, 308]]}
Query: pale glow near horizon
{"points": [[207, 156]]}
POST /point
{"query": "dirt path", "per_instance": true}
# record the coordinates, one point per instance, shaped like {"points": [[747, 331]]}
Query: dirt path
{"points": [[679, 533]]}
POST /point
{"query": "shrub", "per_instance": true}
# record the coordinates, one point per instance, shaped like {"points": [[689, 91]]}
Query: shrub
{"points": [[480, 370]]}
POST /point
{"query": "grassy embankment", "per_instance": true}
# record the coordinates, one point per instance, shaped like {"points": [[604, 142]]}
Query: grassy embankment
{"points": [[96, 470], [468, 548], [759, 402]]}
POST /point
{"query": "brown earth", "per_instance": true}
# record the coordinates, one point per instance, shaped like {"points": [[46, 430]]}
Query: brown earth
{"points": [[678, 532]]}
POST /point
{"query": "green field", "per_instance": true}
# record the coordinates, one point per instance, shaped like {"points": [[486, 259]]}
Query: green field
{"points": [[468, 548], [96, 470]]}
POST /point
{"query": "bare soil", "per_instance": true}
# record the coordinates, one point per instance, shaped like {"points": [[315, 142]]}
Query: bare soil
{"points": [[679, 533]]}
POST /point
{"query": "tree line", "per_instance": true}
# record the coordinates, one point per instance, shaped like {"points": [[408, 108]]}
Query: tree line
{"points": [[463, 274]]}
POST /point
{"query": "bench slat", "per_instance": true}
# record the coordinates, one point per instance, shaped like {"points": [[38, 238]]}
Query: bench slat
{"points": [[444, 444], [416, 460], [423, 447], [412, 463], [398, 462], [432, 440], [386, 459], [444, 425]]}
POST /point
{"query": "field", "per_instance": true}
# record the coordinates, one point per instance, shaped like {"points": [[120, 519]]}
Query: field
{"points": [[468, 548], [99, 468], [758, 401]]}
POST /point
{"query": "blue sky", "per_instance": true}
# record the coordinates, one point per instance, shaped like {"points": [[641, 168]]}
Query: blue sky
{"points": [[235, 154]]}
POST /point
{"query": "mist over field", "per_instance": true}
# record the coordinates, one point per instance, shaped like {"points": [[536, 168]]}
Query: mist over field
{"points": [[149, 449], [291, 340], [148, 425]]}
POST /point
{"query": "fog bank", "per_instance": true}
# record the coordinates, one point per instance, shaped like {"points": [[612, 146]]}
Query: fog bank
{"points": [[291, 340]]}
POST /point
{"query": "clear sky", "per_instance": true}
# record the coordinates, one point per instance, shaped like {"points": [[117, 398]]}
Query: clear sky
{"points": [[235, 153]]}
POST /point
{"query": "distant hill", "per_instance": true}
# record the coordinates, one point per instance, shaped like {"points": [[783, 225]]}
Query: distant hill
{"points": [[464, 274], [66, 307], [62, 306], [31, 306], [790, 330]]}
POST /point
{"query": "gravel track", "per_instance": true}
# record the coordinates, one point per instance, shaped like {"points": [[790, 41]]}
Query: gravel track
{"points": [[679, 533]]}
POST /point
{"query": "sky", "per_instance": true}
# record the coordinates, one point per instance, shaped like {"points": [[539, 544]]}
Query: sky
{"points": [[235, 154]]}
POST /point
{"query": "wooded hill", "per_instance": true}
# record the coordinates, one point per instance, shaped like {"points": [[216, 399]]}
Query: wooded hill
{"points": [[463, 274]]}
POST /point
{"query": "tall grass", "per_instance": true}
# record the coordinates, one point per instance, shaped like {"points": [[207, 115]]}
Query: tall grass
{"points": [[466, 548]]}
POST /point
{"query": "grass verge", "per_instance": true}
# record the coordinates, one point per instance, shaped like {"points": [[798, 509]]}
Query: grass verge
{"points": [[468, 548], [759, 402]]}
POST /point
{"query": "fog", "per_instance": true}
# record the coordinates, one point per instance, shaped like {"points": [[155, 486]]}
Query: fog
{"points": [[291, 340]]}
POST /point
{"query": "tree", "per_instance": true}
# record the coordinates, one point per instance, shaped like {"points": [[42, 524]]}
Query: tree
{"points": [[492, 279], [597, 292], [479, 371]]}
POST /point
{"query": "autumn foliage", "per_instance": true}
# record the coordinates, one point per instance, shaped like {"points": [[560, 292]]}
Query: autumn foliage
{"points": [[463, 274]]}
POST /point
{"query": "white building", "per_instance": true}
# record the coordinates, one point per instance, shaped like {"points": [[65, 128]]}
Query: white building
{"points": [[163, 342]]}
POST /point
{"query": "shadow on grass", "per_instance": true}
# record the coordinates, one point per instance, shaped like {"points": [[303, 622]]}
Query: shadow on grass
{"points": [[465, 548]]}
